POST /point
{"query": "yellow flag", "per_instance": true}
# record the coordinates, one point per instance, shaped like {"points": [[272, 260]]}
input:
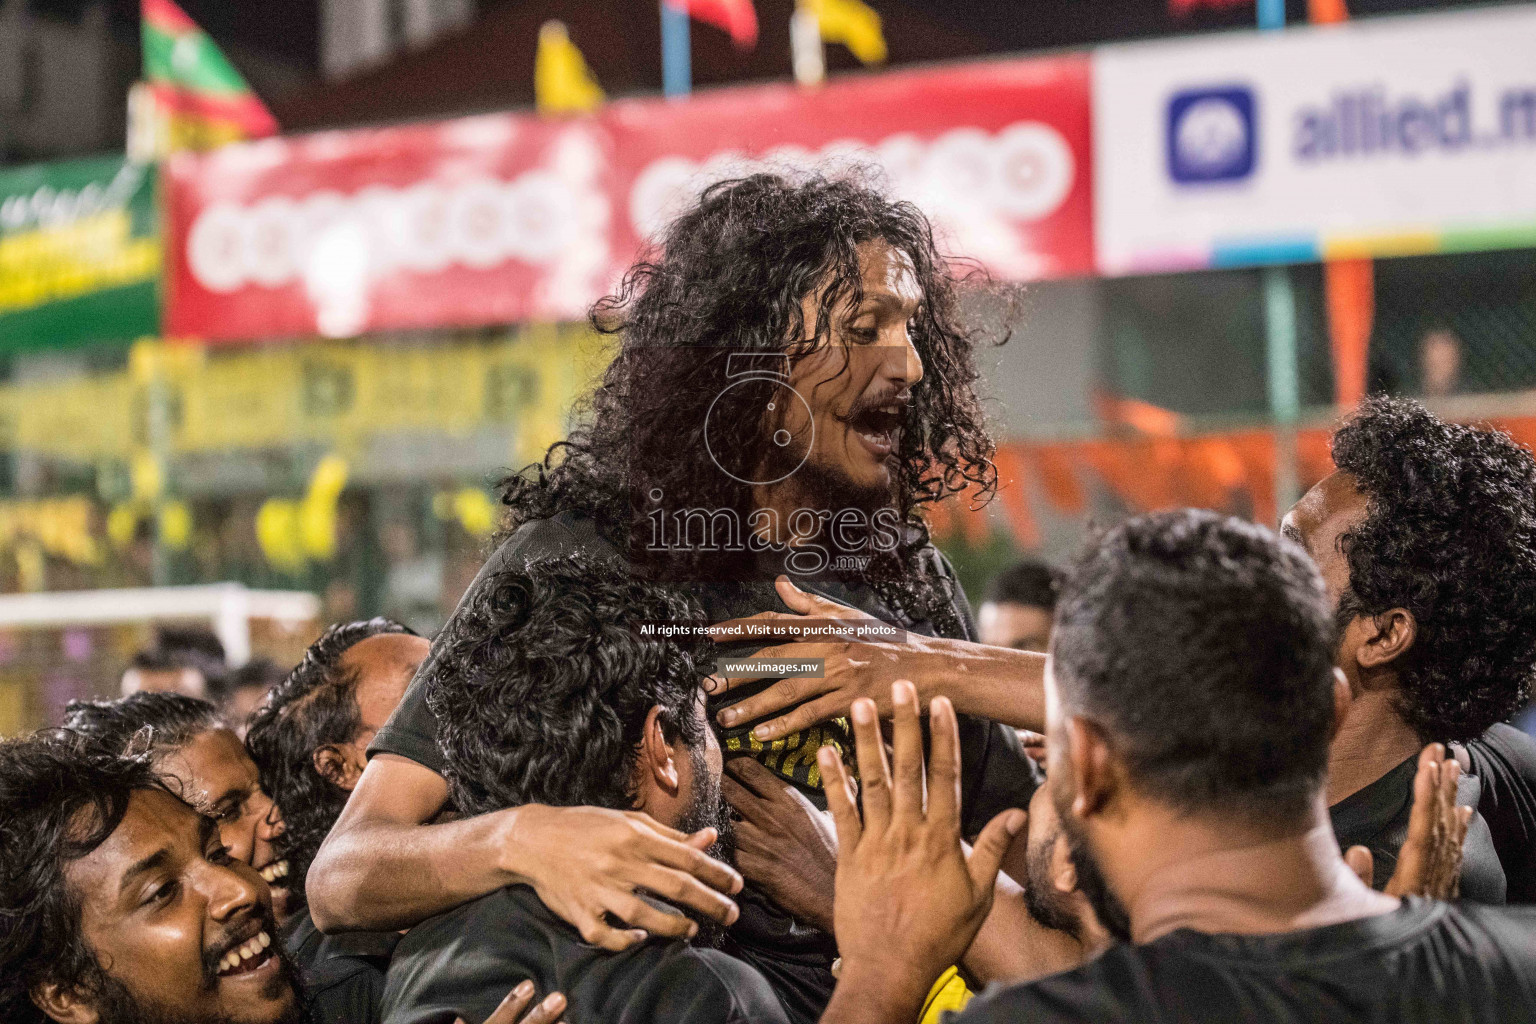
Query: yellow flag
{"points": [[562, 82], [852, 23]]}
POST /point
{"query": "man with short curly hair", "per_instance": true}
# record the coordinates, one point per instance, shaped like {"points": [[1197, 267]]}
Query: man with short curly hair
{"points": [[1426, 538], [549, 691], [308, 740]]}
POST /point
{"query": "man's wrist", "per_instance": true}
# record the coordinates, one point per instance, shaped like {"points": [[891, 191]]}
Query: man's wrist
{"points": [[510, 852], [870, 992]]}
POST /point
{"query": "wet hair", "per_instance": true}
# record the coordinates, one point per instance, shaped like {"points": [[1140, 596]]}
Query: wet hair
{"points": [[1450, 535], [1203, 647], [59, 800], [728, 277], [542, 680], [315, 706], [141, 722], [1029, 582]]}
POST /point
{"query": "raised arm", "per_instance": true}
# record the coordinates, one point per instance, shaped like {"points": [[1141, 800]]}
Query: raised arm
{"points": [[383, 868], [998, 683]]}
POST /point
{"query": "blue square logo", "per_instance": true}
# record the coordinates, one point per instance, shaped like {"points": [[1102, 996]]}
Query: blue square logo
{"points": [[1212, 135]]}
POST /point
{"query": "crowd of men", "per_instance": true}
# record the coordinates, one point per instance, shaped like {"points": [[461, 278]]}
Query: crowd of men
{"points": [[1208, 772]]}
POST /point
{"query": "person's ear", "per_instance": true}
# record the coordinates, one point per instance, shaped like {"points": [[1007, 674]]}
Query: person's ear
{"points": [[1395, 631], [336, 767], [1092, 764], [1343, 700], [658, 765], [62, 1004]]}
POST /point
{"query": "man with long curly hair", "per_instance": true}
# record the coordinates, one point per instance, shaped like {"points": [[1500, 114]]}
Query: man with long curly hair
{"points": [[791, 386], [1426, 538]]}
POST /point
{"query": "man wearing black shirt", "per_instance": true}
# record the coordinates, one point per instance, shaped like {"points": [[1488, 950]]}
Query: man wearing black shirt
{"points": [[308, 739], [1191, 698], [548, 692], [791, 386], [1426, 539]]}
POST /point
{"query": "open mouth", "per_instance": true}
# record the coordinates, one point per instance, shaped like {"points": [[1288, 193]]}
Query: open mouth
{"points": [[879, 426], [250, 955], [274, 872]]}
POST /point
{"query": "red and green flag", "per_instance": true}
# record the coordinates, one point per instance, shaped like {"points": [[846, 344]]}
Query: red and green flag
{"points": [[200, 96]]}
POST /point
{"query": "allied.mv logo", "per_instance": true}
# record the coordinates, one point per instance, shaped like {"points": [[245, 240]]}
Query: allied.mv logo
{"points": [[1212, 135]]}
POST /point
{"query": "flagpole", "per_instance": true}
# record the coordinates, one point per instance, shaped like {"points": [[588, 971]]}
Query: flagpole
{"points": [[676, 68]]}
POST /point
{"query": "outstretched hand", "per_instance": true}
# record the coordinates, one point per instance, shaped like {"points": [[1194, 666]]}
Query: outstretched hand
{"points": [[547, 1012], [621, 851], [909, 898], [1429, 863]]}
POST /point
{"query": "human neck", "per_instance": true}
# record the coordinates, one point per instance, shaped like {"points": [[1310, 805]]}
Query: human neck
{"points": [[1214, 876], [1372, 740]]}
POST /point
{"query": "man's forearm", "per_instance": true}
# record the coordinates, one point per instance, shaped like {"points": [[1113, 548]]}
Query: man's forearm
{"points": [[382, 875], [999, 683]]}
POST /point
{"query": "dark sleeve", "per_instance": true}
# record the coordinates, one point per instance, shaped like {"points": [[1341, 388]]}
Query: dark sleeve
{"points": [[349, 999], [995, 773], [1504, 761], [412, 730], [721, 990]]}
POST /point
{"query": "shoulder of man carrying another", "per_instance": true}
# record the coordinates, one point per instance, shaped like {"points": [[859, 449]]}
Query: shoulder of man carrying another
{"points": [[465, 960]]}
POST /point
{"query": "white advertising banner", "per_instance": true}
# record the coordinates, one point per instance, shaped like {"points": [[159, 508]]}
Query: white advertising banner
{"points": [[1387, 137]]}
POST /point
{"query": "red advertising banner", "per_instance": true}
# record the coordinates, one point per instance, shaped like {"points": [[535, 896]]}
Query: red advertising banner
{"points": [[509, 218]]}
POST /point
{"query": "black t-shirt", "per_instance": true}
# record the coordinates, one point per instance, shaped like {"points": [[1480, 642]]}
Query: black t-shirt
{"points": [[1424, 963], [463, 964], [1504, 761], [343, 974], [1377, 817], [797, 959]]}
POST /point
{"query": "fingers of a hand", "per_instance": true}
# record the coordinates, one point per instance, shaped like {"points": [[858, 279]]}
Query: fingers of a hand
{"points": [[692, 859], [599, 933], [785, 693], [752, 774], [683, 889], [840, 800], [547, 1012], [943, 764], [874, 773], [1423, 815], [806, 716], [665, 831], [987, 855], [907, 757], [802, 602], [748, 803], [511, 1007], [1361, 863], [640, 915]]}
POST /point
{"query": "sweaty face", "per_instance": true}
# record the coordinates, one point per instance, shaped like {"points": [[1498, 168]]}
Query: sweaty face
{"points": [[1024, 627], [184, 931], [384, 665], [1045, 851], [856, 387], [216, 776]]}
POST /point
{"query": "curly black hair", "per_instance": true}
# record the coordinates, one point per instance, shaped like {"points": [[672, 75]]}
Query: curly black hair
{"points": [[59, 800], [542, 680], [728, 277], [1449, 535], [314, 706], [147, 722], [1204, 646]]}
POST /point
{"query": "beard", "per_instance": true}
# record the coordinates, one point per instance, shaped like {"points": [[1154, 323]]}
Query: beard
{"points": [[1093, 885], [709, 809], [117, 1004], [1048, 906]]}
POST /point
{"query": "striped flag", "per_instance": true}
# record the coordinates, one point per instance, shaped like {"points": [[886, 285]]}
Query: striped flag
{"points": [[200, 101]]}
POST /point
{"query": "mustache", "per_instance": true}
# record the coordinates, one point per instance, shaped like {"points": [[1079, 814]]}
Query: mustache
{"points": [[901, 397]]}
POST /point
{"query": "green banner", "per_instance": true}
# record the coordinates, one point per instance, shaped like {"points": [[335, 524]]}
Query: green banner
{"points": [[79, 253]]}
